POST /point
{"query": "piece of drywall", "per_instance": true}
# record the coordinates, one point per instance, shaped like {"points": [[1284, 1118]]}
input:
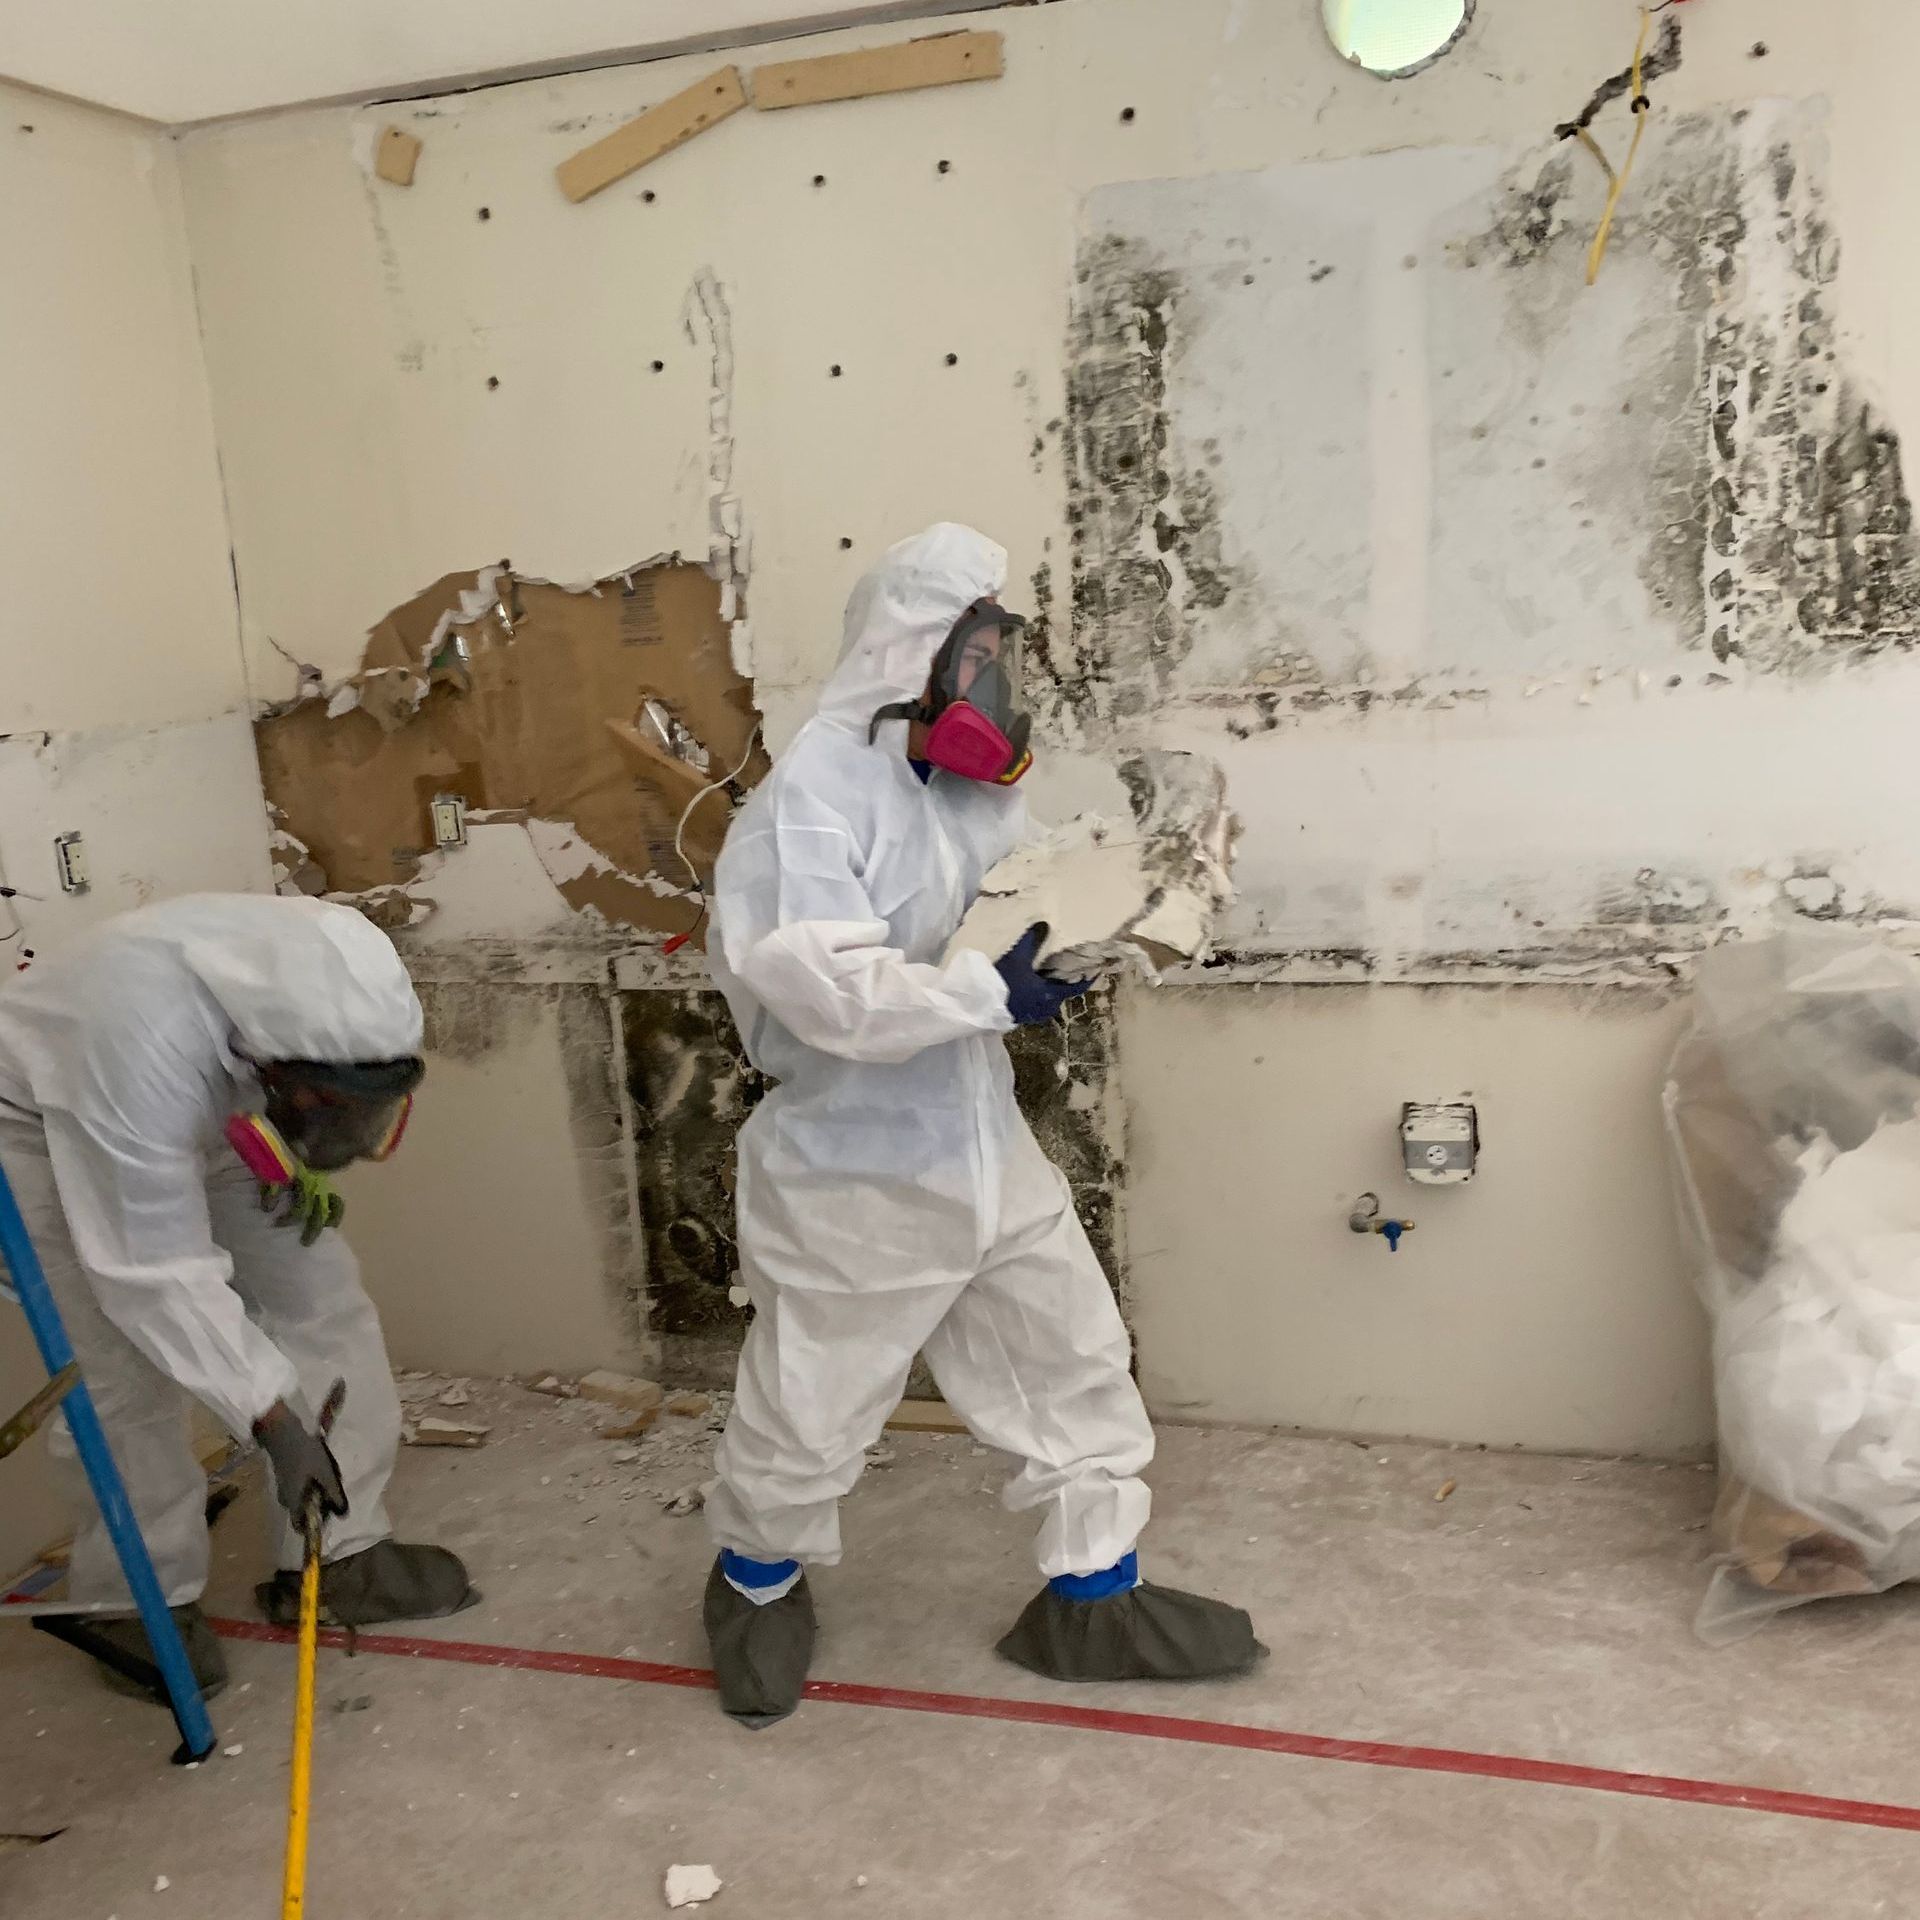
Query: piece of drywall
{"points": [[499, 1239], [1540, 1305], [1142, 308]]}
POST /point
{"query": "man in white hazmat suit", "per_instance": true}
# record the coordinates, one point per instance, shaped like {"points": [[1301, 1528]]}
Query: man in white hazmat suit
{"points": [[174, 1088], [892, 1199]]}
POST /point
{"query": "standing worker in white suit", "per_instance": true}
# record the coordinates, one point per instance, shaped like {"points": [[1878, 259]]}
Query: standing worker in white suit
{"points": [[174, 1089], [892, 1199]]}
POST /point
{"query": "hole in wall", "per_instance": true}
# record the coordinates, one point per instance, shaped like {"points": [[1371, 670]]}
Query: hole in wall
{"points": [[945, 166], [953, 359], [647, 196], [1394, 39], [819, 179], [834, 370], [659, 366], [486, 213], [493, 381], [846, 544]]}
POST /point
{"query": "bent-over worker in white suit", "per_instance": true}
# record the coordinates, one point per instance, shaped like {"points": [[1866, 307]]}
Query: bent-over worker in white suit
{"points": [[174, 1089]]}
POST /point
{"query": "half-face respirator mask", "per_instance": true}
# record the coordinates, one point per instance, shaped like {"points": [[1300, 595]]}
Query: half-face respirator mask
{"points": [[974, 726], [321, 1118]]}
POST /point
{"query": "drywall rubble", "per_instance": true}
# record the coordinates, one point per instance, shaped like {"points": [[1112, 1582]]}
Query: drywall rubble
{"points": [[1138, 894]]}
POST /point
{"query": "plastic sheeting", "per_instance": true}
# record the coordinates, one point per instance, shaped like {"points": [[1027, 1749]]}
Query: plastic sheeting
{"points": [[1793, 1106]]}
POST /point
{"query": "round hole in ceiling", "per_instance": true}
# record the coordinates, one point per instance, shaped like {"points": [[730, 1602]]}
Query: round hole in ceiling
{"points": [[1395, 38]]}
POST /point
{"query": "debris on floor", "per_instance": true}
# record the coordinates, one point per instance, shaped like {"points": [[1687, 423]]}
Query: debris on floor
{"points": [[687, 1500], [1446, 1489], [430, 1432], [630, 1429], [551, 1383], [623, 1390], [690, 1406], [691, 1886]]}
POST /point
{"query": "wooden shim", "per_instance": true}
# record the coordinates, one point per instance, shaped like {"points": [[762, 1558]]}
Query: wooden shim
{"points": [[659, 130], [395, 156], [943, 61]]}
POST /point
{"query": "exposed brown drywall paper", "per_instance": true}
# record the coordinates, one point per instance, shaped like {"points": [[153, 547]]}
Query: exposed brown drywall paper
{"points": [[942, 61], [396, 156], [659, 130], [524, 727]]}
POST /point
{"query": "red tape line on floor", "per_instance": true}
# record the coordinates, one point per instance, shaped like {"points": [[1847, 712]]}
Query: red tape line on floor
{"points": [[1141, 1726]]}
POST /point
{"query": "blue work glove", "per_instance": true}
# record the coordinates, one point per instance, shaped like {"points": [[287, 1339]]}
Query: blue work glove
{"points": [[1032, 996]]}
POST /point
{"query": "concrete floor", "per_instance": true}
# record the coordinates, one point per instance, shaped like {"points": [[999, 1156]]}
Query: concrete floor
{"points": [[1541, 1611]]}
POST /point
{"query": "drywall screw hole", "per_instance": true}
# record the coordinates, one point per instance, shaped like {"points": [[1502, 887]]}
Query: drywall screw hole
{"points": [[486, 213], [493, 380], [834, 370], [659, 366], [946, 166], [819, 179], [953, 359], [846, 545], [1126, 114], [647, 196]]}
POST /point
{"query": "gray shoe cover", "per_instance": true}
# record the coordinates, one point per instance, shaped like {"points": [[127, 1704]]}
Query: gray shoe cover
{"points": [[205, 1655], [1146, 1633], [760, 1654], [386, 1581]]}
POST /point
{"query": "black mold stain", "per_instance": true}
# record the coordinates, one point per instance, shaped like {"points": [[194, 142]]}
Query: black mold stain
{"points": [[691, 1087], [1145, 534]]}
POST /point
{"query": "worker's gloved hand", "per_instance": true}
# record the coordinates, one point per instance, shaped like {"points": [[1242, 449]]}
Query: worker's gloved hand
{"points": [[309, 1200], [303, 1463], [1033, 996]]}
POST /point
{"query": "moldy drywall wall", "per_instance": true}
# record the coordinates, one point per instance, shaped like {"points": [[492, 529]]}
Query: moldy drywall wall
{"points": [[1545, 632]]}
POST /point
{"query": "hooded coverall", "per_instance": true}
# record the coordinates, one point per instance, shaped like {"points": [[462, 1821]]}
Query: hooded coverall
{"points": [[892, 1199], [121, 1059]]}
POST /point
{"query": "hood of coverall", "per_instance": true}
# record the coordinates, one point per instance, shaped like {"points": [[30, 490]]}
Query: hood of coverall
{"points": [[298, 979], [901, 612]]}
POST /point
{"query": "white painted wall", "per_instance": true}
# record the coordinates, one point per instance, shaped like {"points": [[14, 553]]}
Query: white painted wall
{"points": [[352, 329], [205, 59], [123, 699]]}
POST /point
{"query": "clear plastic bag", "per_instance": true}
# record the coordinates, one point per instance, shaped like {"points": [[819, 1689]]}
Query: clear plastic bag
{"points": [[1793, 1107]]}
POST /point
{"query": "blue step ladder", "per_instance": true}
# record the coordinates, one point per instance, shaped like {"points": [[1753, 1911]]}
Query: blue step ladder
{"points": [[66, 1390]]}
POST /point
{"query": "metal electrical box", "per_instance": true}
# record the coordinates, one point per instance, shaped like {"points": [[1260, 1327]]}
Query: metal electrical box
{"points": [[1440, 1141]]}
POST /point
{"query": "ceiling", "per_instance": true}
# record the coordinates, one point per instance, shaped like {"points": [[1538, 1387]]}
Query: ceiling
{"points": [[180, 61]]}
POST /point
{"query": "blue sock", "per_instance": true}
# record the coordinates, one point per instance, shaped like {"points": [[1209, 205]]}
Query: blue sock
{"points": [[1118, 1578]]}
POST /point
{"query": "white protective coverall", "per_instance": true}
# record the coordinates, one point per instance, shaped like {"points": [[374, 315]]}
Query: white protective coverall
{"points": [[892, 1199], [121, 1059]]}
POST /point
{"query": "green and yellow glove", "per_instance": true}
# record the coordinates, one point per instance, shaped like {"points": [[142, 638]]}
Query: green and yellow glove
{"points": [[311, 1201]]}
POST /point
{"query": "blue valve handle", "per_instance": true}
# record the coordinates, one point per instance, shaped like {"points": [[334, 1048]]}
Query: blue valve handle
{"points": [[1391, 1230]]}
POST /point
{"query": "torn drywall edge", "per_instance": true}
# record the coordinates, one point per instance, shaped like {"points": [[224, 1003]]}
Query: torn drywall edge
{"points": [[506, 734], [705, 312]]}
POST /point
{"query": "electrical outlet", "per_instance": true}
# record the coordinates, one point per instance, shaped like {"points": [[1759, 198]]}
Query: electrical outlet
{"points": [[70, 854], [449, 820]]}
